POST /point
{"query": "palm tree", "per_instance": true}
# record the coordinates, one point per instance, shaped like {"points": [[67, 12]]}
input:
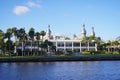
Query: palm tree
{"points": [[14, 30], [92, 40], [115, 44], [37, 34], [31, 34], [42, 33], [1, 41], [85, 41], [47, 46], [1, 34], [22, 37], [8, 35]]}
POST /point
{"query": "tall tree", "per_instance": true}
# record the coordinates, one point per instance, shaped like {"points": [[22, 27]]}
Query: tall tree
{"points": [[115, 44], [8, 35], [14, 30], [37, 34], [22, 37], [47, 46], [1, 41], [31, 34], [42, 33]]}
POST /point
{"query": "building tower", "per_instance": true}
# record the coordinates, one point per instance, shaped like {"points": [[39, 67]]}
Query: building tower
{"points": [[92, 33], [83, 32], [48, 32]]}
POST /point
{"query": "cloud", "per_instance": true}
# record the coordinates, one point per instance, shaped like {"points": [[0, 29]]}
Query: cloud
{"points": [[20, 10], [32, 4]]}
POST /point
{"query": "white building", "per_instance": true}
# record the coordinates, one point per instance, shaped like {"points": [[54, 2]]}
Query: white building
{"points": [[74, 44]]}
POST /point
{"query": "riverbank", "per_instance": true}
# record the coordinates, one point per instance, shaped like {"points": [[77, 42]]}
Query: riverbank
{"points": [[98, 57]]}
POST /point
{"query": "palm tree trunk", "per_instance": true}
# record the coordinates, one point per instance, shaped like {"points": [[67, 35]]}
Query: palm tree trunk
{"points": [[38, 48], [22, 48], [31, 47]]}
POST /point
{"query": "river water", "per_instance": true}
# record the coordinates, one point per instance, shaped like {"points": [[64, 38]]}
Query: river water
{"points": [[81, 70]]}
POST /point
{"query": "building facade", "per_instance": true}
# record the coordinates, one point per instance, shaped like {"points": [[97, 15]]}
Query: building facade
{"points": [[75, 44]]}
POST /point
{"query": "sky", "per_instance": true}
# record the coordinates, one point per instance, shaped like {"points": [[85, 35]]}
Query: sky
{"points": [[65, 17]]}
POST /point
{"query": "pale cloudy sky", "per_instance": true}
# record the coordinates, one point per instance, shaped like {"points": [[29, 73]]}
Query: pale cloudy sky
{"points": [[65, 16]]}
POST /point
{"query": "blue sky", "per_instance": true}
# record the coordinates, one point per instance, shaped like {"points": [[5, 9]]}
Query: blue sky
{"points": [[65, 16]]}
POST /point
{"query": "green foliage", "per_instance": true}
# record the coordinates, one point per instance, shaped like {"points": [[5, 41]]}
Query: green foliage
{"points": [[37, 34], [67, 38], [86, 52], [47, 44], [91, 52], [115, 52], [42, 33], [31, 33], [21, 34], [8, 33]]}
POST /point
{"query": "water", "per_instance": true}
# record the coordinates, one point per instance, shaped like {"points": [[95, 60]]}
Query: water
{"points": [[86, 70]]}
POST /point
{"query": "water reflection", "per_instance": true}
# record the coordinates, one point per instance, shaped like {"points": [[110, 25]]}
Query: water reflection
{"points": [[86, 70]]}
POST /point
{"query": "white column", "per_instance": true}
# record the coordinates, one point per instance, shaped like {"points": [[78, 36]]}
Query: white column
{"points": [[95, 46]]}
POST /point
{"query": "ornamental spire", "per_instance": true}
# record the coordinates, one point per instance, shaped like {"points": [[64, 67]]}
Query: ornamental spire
{"points": [[92, 33], [83, 32], [48, 32]]}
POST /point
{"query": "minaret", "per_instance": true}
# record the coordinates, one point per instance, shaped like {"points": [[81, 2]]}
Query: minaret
{"points": [[48, 32], [92, 33], [83, 32]]}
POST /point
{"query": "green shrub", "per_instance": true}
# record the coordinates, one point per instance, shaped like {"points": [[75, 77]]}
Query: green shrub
{"points": [[86, 52], [115, 52], [106, 52]]}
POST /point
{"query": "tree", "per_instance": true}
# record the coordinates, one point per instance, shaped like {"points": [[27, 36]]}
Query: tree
{"points": [[37, 34], [92, 40], [14, 30], [1, 41], [67, 38], [115, 44], [42, 33], [8, 35], [31, 34], [47, 46], [9, 46], [85, 41], [22, 36]]}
